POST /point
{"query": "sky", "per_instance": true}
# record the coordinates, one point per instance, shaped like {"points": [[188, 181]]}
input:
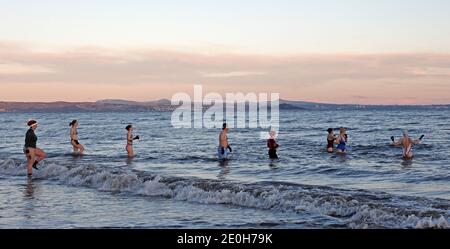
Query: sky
{"points": [[337, 51]]}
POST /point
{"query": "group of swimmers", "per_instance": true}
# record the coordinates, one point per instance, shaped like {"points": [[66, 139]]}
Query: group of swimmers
{"points": [[35, 155], [342, 139], [224, 149]]}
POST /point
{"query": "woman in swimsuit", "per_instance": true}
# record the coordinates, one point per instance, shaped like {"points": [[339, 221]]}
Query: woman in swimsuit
{"points": [[341, 141], [77, 147], [407, 143], [33, 153], [272, 145], [130, 140], [330, 140]]}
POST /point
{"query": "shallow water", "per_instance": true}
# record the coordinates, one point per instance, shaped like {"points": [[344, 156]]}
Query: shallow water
{"points": [[176, 181]]}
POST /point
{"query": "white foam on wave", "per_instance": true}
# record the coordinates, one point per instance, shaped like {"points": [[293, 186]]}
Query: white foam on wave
{"points": [[11, 168], [429, 222], [355, 213], [155, 188]]}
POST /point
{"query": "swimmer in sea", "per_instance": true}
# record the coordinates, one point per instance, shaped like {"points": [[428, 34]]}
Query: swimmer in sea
{"points": [[224, 147], [33, 153], [77, 147], [407, 143], [341, 141], [330, 140], [272, 145], [130, 140]]}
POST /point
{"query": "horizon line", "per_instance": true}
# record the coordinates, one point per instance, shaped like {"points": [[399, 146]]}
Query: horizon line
{"points": [[288, 100]]}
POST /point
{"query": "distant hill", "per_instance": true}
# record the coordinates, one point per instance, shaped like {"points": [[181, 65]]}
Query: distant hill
{"points": [[128, 102], [99, 106], [117, 102], [111, 105], [333, 107], [285, 106]]}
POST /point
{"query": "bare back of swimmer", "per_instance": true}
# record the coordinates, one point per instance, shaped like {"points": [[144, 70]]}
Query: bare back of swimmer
{"points": [[407, 143]]}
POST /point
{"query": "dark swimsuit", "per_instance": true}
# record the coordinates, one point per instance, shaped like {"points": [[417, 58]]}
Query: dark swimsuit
{"points": [[130, 141], [272, 144], [330, 143], [76, 141], [30, 141]]}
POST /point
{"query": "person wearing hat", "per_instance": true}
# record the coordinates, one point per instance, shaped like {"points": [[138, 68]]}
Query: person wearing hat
{"points": [[407, 143], [33, 153]]}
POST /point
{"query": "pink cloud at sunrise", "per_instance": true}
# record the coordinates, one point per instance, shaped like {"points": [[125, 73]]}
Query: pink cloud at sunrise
{"points": [[88, 74], [352, 51]]}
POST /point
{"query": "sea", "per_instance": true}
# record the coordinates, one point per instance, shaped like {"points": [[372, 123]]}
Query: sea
{"points": [[176, 180]]}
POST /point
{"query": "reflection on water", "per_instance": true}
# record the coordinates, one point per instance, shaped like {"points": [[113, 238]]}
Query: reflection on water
{"points": [[74, 157], [29, 199], [407, 163], [129, 161], [224, 171], [274, 163], [29, 188], [224, 163]]}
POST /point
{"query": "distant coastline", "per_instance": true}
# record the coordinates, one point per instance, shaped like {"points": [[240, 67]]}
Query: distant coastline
{"points": [[164, 105]]}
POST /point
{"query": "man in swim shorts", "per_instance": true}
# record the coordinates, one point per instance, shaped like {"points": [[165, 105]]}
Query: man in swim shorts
{"points": [[224, 147]]}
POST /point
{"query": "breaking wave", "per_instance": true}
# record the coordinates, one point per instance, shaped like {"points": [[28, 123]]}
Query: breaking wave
{"points": [[353, 208]]}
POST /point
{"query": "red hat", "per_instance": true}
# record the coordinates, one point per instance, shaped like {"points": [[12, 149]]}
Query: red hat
{"points": [[32, 122]]}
